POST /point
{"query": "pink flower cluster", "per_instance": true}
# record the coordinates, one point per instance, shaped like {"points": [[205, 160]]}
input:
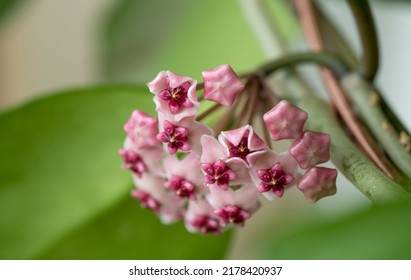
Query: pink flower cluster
{"points": [[182, 172]]}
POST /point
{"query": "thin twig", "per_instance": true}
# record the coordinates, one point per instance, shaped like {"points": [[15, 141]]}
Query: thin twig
{"points": [[243, 110], [225, 119], [267, 92], [254, 90], [368, 35], [332, 38], [308, 22], [266, 133], [208, 112]]}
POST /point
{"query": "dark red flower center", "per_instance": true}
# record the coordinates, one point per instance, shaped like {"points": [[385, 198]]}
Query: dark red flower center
{"points": [[177, 97], [133, 162]]}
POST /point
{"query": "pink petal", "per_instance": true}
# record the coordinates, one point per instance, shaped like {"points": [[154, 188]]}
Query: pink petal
{"points": [[212, 150], [159, 83]]}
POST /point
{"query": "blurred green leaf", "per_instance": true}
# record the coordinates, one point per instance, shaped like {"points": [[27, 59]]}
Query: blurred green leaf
{"points": [[6, 6], [63, 192], [129, 232], [380, 233], [184, 36]]}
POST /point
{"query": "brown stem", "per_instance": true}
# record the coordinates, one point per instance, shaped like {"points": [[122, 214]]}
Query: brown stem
{"points": [[254, 91], [267, 92], [266, 133], [244, 108], [225, 119], [208, 112], [310, 28]]}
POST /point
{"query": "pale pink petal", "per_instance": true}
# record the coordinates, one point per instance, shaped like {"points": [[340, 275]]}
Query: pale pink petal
{"points": [[159, 83], [200, 217], [245, 197], [240, 168], [176, 80], [234, 206], [188, 168], [151, 157], [212, 150], [234, 136], [171, 209], [196, 131]]}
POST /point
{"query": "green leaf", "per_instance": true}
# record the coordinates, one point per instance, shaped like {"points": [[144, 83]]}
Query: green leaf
{"points": [[184, 36], [6, 6], [62, 186], [380, 233], [129, 232]]}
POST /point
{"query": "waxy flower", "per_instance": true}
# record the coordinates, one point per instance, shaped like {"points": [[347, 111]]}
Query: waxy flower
{"points": [[142, 129], [212, 177], [273, 172], [175, 95], [234, 206]]}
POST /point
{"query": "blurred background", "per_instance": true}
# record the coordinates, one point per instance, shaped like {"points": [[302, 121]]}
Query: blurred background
{"points": [[47, 46]]}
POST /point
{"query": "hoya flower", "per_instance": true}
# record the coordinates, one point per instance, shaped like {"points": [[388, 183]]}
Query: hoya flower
{"points": [[311, 149], [222, 85], [234, 206], [218, 168], [175, 95], [273, 172], [184, 177], [285, 121], [142, 129], [143, 160], [318, 182], [242, 142], [200, 217], [181, 136], [211, 178], [152, 195]]}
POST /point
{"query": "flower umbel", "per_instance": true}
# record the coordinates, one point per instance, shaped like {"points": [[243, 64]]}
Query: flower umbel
{"points": [[212, 177]]}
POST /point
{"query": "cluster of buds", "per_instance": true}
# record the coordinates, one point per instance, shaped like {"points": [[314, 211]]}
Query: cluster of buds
{"points": [[212, 177]]}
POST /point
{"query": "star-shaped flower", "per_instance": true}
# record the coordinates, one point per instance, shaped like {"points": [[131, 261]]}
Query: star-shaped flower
{"points": [[285, 121], [213, 152], [152, 194], [311, 149], [144, 160], [222, 85], [175, 95], [181, 136], [200, 217], [241, 142], [272, 172], [273, 179], [142, 129], [184, 177], [234, 206], [317, 183]]}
